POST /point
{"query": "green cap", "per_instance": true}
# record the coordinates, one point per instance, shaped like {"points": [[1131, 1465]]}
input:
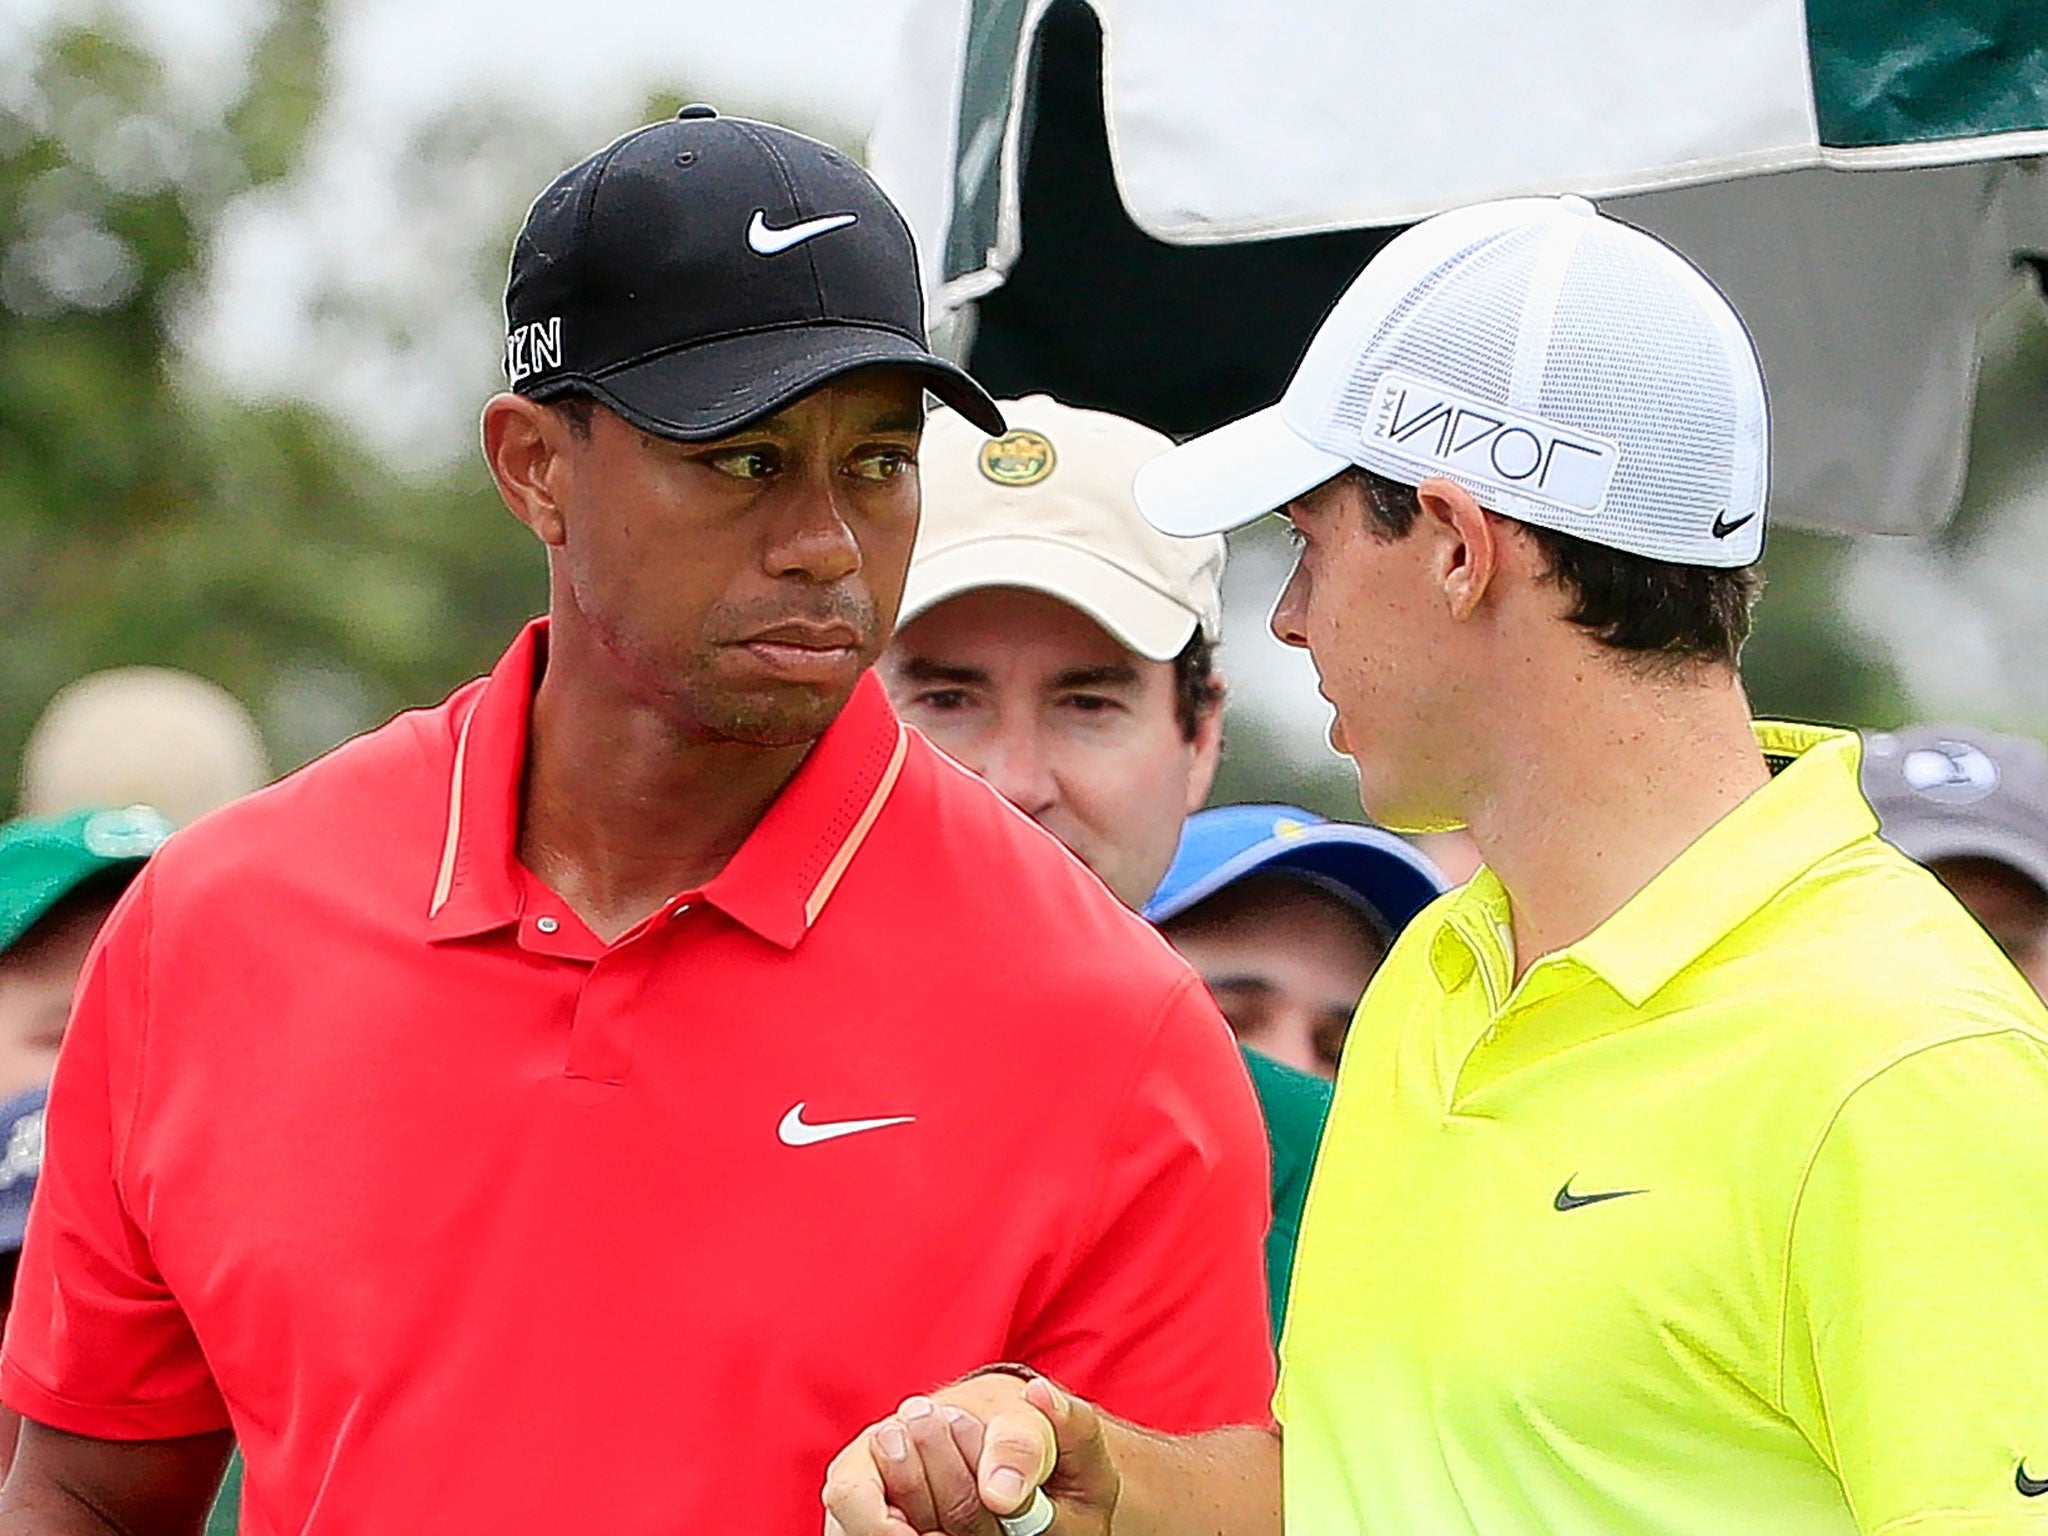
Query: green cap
{"points": [[45, 859]]}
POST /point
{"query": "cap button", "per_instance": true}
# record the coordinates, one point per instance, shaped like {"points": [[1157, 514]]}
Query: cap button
{"points": [[696, 109]]}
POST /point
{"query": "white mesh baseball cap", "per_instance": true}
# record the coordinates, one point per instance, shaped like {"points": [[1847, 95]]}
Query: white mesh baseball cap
{"points": [[1568, 370], [1047, 506]]}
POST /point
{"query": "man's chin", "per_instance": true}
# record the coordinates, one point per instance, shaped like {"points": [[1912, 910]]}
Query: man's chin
{"points": [[779, 717], [1408, 819]]}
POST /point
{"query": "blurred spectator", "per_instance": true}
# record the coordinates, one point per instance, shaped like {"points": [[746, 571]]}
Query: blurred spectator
{"points": [[59, 878], [1057, 645], [1287, 916], [1973, 807], [141, 736]]}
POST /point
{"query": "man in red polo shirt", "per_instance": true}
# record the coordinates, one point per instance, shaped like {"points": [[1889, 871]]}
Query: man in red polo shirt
{"points": [[519, 1119]]}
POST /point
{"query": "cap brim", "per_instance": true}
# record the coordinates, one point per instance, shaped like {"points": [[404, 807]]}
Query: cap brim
{"points": [[1932, 841], [1137, 616], [1377, 867], [23, 904], [1224, 479], [707, 391]]}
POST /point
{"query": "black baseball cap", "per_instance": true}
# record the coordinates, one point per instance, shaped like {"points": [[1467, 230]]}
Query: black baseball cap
{"points": [[701, 273]]}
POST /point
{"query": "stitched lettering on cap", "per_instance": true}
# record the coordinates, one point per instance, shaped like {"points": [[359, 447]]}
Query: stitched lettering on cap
{"points": [[533, 348]]}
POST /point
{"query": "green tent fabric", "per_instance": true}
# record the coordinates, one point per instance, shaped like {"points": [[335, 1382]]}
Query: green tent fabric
{"points": [[1904, 72]]}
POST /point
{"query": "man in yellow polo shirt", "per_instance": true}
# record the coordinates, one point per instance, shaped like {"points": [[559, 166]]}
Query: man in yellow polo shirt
{"points": [[1685, 1174]]}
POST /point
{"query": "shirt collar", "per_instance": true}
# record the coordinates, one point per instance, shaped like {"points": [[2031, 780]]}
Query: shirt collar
{"points": [[1812, 807], [476, 881], [777, 884]]}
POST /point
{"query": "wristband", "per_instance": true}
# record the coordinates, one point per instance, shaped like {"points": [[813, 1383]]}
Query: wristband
{"points": [[1034, 1518]]}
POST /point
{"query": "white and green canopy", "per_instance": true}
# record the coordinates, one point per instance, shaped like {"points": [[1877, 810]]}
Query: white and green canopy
{"points": [[1300, 131]]}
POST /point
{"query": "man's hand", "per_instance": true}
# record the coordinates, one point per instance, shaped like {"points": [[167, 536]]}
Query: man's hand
{"points": [[949, 1464]]}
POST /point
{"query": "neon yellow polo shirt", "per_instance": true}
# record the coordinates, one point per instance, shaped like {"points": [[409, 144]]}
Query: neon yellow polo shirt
{"points": [[1730, 1218]]}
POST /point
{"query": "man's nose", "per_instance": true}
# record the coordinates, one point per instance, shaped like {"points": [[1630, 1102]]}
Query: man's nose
{"points": [[813, 538], [1018, 767], [1290, 613]]}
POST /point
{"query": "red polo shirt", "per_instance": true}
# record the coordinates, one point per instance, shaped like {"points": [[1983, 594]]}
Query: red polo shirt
{"points": [[363, 1145]]}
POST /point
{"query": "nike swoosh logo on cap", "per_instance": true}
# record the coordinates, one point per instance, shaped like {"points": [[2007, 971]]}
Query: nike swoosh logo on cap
{"points": [[764, 240], [1723, 528], [795, 1131]]}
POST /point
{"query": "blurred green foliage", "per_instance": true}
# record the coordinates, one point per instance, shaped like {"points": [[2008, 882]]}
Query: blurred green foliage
{"points": [[144, 517]]}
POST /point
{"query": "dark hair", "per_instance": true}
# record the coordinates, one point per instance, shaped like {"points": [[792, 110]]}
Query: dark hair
{"points": [[1197, 690], [1653, 610], [576, 409]]}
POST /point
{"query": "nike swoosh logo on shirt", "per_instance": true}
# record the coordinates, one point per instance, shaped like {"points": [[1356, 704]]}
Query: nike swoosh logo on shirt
{"points": [[2031, 1487], [1567, 1201], [766, 241], [795, 1131]]}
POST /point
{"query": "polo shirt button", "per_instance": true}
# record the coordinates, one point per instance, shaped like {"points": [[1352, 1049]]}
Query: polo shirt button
{"points": [[546, 924], [679, 911]]}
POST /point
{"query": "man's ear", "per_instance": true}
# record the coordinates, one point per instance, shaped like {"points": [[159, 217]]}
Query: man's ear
{"points": [[1468, 544], [526, 446]]}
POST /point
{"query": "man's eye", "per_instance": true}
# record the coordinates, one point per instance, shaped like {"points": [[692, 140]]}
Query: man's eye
{"points": [[882, 464], [1093, 703], [1329, 1037], [944, 699], [748, 463]]}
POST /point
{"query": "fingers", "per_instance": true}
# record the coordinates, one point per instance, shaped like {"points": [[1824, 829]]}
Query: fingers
{"points": [[949, 1475], [904, 1482], [855, 1501], [1076, 1426], [1017, 1455], [934, 1468], [1084, 1472], [969, 1433]]}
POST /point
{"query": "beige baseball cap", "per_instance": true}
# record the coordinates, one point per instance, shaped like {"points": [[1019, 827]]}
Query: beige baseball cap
{"points": [[1048, 506], [141, 735]]}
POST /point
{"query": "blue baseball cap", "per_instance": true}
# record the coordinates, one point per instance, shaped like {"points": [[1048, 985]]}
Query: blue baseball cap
{"points": [[21, 1159], [1221, 846]]}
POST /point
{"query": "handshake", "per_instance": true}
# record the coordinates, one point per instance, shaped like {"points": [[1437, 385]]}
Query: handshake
{"points": [[998, 1454]]}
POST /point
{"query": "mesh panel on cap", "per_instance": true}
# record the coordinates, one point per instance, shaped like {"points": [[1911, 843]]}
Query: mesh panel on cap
{"points": [[1469, 346], [1634, 358]]}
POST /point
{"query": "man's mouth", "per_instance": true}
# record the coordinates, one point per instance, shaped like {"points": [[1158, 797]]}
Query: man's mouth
{"points": [[804, 651]]}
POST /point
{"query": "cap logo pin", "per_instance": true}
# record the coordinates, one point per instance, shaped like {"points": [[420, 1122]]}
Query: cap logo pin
{"points": [[1017, 458], [765, 240], [132, 833], [1950, 772]]}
